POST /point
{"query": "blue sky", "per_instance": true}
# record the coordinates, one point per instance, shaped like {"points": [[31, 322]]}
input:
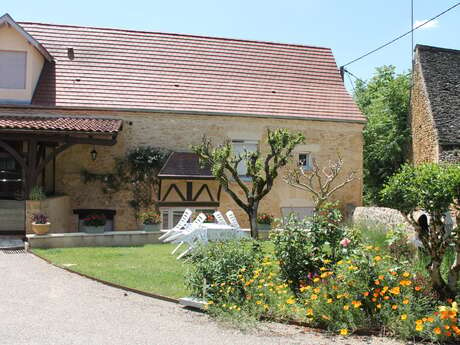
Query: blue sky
{"points": [[350, 28]]}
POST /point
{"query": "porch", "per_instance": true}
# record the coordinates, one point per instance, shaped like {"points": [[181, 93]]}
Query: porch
{"points": [[29, 147]]}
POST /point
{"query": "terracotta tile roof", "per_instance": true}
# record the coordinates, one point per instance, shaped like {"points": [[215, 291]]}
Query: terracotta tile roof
{"points": [[73, 124], [122, 69], [184, 165]]}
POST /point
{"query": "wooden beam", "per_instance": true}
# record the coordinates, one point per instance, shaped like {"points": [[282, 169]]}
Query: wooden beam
{"points": [[8, 148], [57, 139]]}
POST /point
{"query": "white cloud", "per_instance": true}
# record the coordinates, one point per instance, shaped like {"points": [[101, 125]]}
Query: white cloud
{"points": [[431, 25]]}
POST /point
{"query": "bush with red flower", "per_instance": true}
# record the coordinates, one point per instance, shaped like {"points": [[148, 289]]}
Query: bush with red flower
{"points": [[95, 220]]}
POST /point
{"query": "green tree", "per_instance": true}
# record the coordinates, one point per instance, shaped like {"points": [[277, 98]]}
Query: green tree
{"points": [[384, 100], [434, 189], [262, 169]]}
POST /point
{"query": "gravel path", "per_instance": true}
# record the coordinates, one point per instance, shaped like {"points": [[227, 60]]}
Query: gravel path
{"points": [[42, 304]]}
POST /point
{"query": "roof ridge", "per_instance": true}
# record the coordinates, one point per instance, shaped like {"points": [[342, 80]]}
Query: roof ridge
{"points": [[426, 47], [181, 35]]}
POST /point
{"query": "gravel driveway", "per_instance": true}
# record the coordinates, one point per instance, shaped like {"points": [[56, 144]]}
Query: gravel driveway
{"points": [[42, 304]]}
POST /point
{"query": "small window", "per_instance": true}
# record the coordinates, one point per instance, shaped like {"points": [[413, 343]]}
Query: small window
{"points": [[172, 215], [305, 161], [239, 146], [12, 70]]}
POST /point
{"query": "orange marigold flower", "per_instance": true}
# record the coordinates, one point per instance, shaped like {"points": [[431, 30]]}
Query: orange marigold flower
{"points": [[356, 304], [378, 258], [313, 297], [448, 333], [365, 294], [381, 277], [377, 282], [290, 301], [309, 312], [406, 301], [394, 307], [379, 306], [395, 291], [437, 330], [418, 288]]}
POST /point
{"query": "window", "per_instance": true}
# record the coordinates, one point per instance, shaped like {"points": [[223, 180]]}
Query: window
{"points": [[8, 164], [170, 216], [239, 146], [300, 212], [305, 161], [12, 70]]}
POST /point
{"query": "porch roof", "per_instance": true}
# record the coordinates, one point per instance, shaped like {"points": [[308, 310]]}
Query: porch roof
{"points": [[60, 124], [184, 165]]}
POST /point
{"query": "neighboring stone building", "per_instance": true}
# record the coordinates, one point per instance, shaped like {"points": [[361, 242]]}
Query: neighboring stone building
{"points": [[435, 104], [69, 92]]}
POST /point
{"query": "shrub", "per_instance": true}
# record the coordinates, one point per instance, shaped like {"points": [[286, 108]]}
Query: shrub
{"points": [[222, 265], [304, 245], [150, 217], [95, 220], [367, 291], [434, 189], [39, 218], [37, 194]]}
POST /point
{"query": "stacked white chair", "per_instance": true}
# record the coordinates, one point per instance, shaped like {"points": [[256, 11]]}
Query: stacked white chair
{"points": [[234, 223], [193, 235], [183, 222], [219, 218]]}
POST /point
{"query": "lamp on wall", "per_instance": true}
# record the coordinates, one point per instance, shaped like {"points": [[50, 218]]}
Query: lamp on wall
{"points": [[93, 153]]}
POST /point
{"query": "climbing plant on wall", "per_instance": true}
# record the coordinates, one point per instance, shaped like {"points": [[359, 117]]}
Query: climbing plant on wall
{"points": [[136, 172]]}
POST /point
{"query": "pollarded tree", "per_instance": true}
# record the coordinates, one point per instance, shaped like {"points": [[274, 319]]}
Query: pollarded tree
{"points": [[434, 189], [262, 168]]}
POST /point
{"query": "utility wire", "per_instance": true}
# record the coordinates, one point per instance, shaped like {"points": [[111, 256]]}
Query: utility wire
{"points": [[401, 36]]}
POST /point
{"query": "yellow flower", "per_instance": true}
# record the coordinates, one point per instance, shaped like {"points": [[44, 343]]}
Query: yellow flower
{"points": [[378, 258], [329, 300], [317, 290], [327, 261], [405, 282], [325, 317], [419, 328], [344, 331], [404, 317], [356, 304], [379, 306], [290, 301], [395, 291], [258, 302], [316, 280], [313, 297], [309, 312], [406, 274], [346, 307], [437, 330], [406, 301]]}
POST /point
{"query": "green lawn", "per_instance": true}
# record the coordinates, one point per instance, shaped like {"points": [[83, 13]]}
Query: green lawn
{"points": [[149, 268]]}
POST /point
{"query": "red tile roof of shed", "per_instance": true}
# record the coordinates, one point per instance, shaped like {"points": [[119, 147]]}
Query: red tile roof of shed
{"points": [[78, 124], [138, 70]]}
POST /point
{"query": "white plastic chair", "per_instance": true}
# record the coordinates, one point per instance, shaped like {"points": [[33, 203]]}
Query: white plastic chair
{"points": [[219, 218], [193, 234], [232, 219], [181, 224]]}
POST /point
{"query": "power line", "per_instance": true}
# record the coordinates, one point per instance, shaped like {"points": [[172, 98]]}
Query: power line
{"points": [[403, 35]]}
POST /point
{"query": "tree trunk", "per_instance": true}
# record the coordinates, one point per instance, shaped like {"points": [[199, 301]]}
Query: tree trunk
{"points": [[439, 285], [252, 214], [454, 270]]}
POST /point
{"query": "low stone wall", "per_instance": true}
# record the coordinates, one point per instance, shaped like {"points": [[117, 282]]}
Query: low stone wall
{"points": [[106, 239], [57, 208], [382, 217]]}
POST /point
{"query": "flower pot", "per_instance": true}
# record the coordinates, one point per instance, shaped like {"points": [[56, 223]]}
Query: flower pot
{"points": [[41, 229], [152, 227], [264, 227], [94, 229]]}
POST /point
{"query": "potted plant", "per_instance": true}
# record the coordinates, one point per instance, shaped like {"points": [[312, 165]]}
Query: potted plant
{"points": [[94, 223], [264, 221], [151, 220], [40, 224]]}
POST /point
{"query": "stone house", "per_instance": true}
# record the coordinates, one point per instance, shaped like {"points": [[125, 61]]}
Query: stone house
{"points": [[435, 105], [75, 98]]}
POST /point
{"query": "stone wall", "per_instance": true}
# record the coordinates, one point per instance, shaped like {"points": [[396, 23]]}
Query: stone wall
{"points": [[177, 132], [425, 146], [59, 212]]}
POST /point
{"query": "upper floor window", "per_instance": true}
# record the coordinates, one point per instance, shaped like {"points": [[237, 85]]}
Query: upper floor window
{"points": [[239, 146], [305, 161], [12, 69]]}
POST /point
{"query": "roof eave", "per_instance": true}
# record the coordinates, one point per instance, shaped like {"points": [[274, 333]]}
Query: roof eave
{"points": [[7, 20], [185, 112]]}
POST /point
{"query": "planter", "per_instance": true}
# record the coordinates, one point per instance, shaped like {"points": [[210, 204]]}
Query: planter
{"points": [[264, 227], [152, 227], [94, 229], [41, 229]]}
